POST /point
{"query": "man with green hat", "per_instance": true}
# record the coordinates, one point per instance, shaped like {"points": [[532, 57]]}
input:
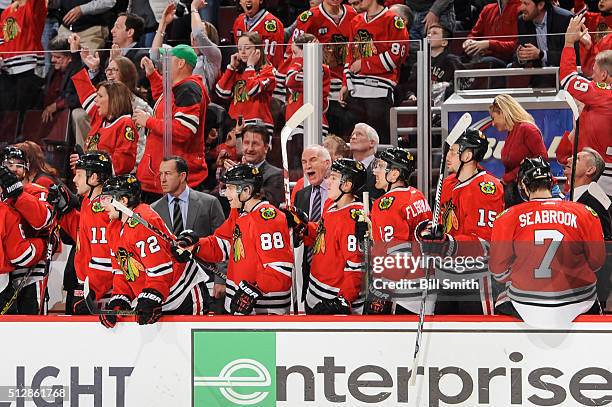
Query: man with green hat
{"points": [[190, 100]]}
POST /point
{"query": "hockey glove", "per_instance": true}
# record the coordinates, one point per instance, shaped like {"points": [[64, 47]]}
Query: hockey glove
{"points": [[187, 238], [10, 184], [433, 240], [179, 253], [62, 200], [361, 230], [149, 306], [118, 302], [378, 303], [297, 219], [79, 306], [244, 299], [334, 306]]}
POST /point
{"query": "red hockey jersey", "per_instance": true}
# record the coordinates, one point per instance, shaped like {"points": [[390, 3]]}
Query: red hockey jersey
{"points": [[258, 250], [334, 37], [119, 138], [88, 228], [547, 251], [382, 45], [20, 37], [33, 207], [189, 104], [295, 89], [250, 93], [141, 259], [601, 27], [595, 130], [271, 31], [499, 27], [337, 263]]}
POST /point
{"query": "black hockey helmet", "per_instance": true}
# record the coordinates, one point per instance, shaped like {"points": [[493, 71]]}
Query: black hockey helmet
{"points": [[244, 175], [98, 162], [123, 185], [351, 170], [398, 158], [475, 140], [534, 169], [14, 153]]}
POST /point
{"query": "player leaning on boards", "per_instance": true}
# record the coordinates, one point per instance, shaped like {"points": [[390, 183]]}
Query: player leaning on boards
{"points": [[336, 271], [255, 240], [546, 251], [470, 201], [395, 216], [142, 262], [87, 227]]}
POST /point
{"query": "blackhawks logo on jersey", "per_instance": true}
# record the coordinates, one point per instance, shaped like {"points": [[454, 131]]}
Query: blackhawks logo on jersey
{"points": [[270, 26], [294, 96], [356, 214], [97, 207], [131, 268], [319, 246], [386, 202], [398, 23], [449, 218], [601, 31], [365, 48], [305, 16], [603, 85], [10, 29], [267, 213], [487, 187], [334, 53], [238, 245], [92, 142], [132, 222], [240, 92], [129, 134], [592, 211]]}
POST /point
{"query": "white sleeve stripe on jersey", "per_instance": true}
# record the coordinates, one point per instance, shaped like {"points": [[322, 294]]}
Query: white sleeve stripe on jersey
{"points": [[503, 275], [88, 103], [565, 81], [25, 257], [281, 267], [160, 270], [224, 246], [387, 61], [351, 266], [102, 266], [222, 92], [188, 121], [255, 89]]}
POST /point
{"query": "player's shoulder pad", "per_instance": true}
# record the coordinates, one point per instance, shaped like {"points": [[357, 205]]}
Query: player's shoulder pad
{"points": [[270, 25], [132, 222], [305, 16], [187, 93], [591, 211], [487, 187], [385, 202], [268, 213], [38, 187], [96, 206]]}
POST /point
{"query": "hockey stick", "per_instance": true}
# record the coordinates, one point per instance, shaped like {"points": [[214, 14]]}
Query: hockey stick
{"points": [[131, 214], [367, 253], [48, 257], [93, 308], [298, 117], [461, 126], [576, 113]]}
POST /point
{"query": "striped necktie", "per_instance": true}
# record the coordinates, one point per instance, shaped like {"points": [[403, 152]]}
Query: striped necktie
{"points": [[315, 213], [177, 217]]}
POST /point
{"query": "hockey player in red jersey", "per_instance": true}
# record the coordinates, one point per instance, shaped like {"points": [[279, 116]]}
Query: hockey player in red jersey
{"points": [[30, 201], [469, 203], [330, 23], [255, 241], [595, 130], [144, 272], [336, 271], [257, 19], [371, 73], [88, 228], [546, 251], [249, 82], [295, 82], [395, 216]]}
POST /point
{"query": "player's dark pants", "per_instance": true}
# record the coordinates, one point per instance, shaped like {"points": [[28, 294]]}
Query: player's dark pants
{"points": [[459, 302], [374, 112], [507, 308], [27, 302]]}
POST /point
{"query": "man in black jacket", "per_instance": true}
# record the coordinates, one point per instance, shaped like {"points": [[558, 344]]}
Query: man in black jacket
{"points": [[537, 46]]}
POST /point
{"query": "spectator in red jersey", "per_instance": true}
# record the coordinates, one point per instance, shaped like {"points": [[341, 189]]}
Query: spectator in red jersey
{"points": [[496, 20], [189, 104], [600, 24], [249, 82], [256, 19], [21, 58], [524, 140]]}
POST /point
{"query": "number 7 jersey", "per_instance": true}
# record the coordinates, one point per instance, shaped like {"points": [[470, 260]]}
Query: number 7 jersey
{"points": [[547, 252]]}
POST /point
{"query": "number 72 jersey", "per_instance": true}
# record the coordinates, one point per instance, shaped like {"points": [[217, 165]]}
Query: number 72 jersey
{"points": [[548, 251]]}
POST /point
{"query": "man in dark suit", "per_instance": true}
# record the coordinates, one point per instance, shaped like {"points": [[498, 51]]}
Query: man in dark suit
{"points": [[589, 167], [316, 162], [536, 47], [255, 147], [364, 142], [183, 208]]}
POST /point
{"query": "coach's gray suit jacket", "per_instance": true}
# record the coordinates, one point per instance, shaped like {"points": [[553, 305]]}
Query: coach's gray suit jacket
{"points": [[204, 214]]}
